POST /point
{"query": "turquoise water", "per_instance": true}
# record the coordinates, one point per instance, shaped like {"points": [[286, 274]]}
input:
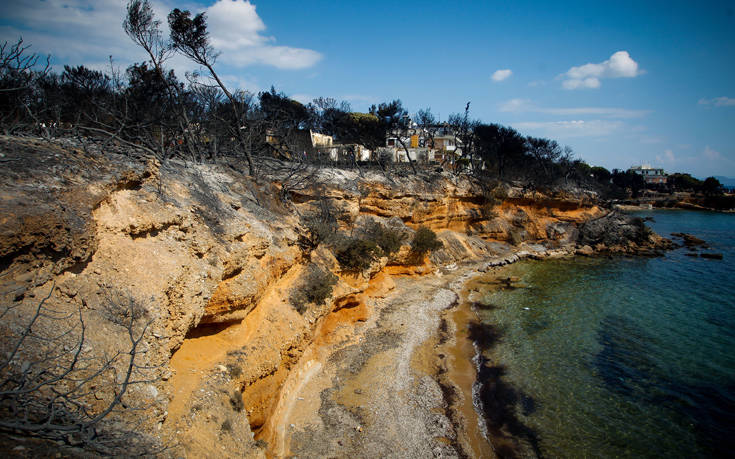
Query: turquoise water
{"points": [[623, 357]]}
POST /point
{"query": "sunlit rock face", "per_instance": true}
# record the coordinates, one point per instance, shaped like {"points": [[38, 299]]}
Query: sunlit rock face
{"points": [[213, 256]]}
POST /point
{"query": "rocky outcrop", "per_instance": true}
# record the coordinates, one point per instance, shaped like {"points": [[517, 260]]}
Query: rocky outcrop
{"points": [[212, 257], [446, 202], [49, 192], [620, 233], [690, 240], [192, 244]]}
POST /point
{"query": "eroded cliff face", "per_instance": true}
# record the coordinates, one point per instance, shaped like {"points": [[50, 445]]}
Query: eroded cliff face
{"points": [[213, 257]]}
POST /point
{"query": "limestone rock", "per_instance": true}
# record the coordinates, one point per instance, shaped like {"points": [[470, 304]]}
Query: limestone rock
{"points": [[585, 250]]}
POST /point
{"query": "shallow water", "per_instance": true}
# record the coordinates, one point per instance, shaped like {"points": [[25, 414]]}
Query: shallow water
{"points": [[623, 357]]}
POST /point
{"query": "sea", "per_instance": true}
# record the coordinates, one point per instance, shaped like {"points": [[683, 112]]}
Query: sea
{"points": [[617, 357]]}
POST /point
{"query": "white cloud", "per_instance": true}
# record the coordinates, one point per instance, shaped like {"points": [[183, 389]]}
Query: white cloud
{"points": [[667, 158], [517, 106], [236, 24], [722, 101], [236, 30], [527, 106], [282, 57], [86, 32], [502, 74], [620, 65], [711, 154], [569, 129], [74, 31], [587, 83], [243, 83]]}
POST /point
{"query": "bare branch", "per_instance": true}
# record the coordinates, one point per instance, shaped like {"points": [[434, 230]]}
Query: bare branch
{"points": [[46, 393]]}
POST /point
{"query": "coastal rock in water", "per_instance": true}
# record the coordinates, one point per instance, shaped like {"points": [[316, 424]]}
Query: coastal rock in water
{"points": [[690, 240], [586, 251], [620, 233], [712, 256]]}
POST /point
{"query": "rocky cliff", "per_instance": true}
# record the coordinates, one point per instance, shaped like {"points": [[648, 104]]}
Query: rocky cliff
{"points": [[212, 257]]}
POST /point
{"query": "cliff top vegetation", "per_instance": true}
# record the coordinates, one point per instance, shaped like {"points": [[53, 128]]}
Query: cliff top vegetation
{"points": [[148, 107]]}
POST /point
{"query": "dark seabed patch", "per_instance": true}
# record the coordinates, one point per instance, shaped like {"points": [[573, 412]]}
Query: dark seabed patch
{"points": [[623, 363], [625, 367], [501, 401]]}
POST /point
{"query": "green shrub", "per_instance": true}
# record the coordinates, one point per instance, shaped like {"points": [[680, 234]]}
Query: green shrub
{"points": [[357, 254], [388, 239], [425, 241], [315, 288]]}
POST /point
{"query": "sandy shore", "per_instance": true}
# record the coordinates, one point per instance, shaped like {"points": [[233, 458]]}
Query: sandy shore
{"points": [[399, 384], [371, 394], [390, 374]]}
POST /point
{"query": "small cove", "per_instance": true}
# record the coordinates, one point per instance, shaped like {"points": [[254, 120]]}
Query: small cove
{"points": [[621, 357]]}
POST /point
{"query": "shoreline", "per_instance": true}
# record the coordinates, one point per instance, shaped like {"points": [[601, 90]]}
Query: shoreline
{"points": [[422, 334], [226, 346], [682, 206], [506, 435], [372, 392], [459, 352]]}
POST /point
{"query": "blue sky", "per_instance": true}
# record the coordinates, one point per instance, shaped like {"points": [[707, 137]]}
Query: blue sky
{"points": [[620, 82]]}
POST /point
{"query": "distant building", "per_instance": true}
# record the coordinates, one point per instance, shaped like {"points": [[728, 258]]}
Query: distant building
{"points": [[426, 145], [303, 142], [321, 140], [344, 152], [650, 174]]}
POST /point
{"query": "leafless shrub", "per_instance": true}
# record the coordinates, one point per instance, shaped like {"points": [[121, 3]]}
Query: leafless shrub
{"points": [[49, 375], [19, 74], [292, 175], [322, 225]]}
